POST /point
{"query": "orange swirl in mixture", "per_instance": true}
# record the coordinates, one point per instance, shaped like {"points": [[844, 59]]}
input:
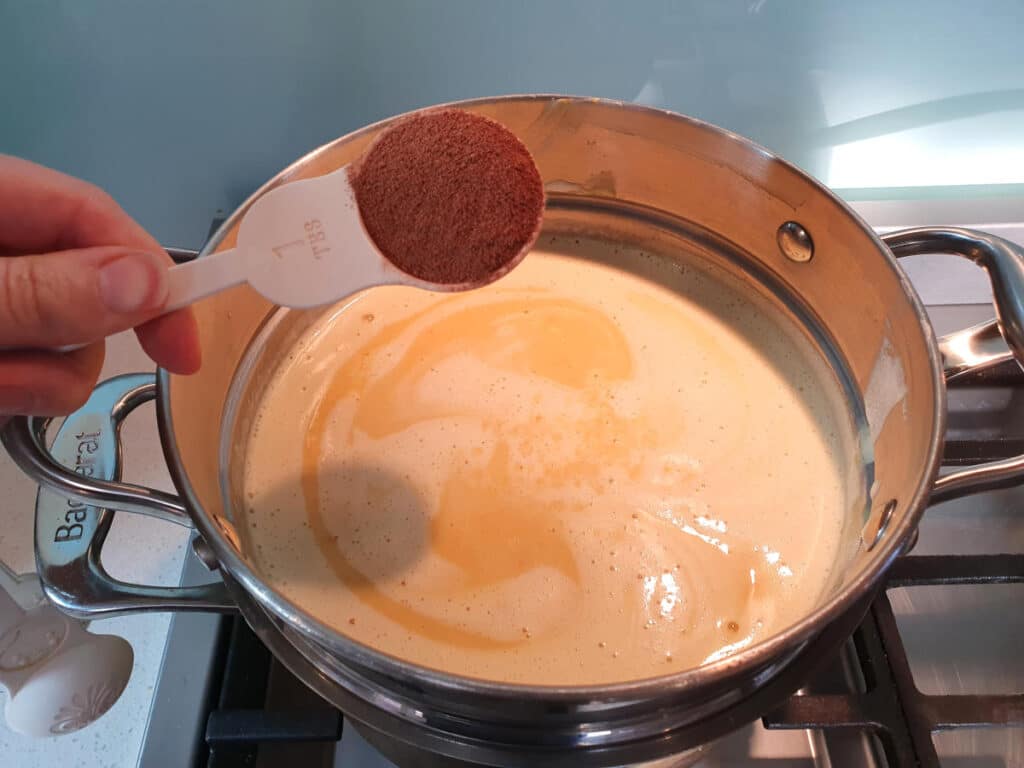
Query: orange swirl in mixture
{"points": [[567, 343]]}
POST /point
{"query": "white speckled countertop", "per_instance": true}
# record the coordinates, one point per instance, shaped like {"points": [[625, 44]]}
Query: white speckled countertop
{"points": [[139, 549]]}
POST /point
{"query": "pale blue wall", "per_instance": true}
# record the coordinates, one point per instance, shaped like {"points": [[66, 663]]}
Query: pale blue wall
{"points": [[180, 108]]}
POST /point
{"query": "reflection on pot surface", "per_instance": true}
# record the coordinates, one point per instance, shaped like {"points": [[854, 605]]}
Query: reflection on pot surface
{"points": [[603, 468]]}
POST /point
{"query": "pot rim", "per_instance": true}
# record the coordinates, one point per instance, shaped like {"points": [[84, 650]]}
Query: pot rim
{"points": [[748, 659]]}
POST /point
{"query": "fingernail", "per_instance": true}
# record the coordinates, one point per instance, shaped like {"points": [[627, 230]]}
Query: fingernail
{"points": [[133, 283]]}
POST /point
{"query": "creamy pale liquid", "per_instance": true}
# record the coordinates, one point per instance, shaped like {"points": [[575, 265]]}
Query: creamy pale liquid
{"points": [[576, 475]]}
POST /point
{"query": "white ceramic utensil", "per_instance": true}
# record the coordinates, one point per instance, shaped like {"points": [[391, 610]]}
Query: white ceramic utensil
{"points": [[58, 677]]}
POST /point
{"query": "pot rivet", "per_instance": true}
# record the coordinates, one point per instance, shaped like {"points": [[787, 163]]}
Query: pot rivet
{"points": [[795, 242], [205, 554], [873, 532]]}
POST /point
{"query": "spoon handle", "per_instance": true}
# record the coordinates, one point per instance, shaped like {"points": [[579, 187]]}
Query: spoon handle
{"points": [[199, 278]]}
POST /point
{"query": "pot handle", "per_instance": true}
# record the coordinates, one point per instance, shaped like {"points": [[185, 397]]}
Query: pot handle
{"points": [[980, 346], [78, 473]]}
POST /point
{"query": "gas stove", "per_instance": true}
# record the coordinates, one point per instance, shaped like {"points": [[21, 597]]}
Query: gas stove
{"points": [[933, 676]]}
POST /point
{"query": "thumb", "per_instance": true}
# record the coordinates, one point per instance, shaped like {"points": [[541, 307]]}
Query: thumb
{"points": [[78, 296]]}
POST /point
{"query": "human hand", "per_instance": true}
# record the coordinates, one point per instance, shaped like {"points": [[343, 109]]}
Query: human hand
{"points": [[75, 268]]}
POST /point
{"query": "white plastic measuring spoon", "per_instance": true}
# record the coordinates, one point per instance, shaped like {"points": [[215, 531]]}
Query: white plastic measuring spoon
{"points": [[304, 243]]}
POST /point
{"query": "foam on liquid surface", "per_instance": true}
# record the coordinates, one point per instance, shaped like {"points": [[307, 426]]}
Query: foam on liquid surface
{"points": [[576, 475]]}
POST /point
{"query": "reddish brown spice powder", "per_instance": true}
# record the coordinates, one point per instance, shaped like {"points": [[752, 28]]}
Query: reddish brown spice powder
{"points": [[449, 197]]}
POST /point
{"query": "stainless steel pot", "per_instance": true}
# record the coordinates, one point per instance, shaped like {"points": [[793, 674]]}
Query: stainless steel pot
{"points": [[647, 178]]}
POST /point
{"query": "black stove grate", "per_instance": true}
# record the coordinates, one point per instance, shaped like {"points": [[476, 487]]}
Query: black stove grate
{"points": [[240, 731], [892, 707], [240, 725]]}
